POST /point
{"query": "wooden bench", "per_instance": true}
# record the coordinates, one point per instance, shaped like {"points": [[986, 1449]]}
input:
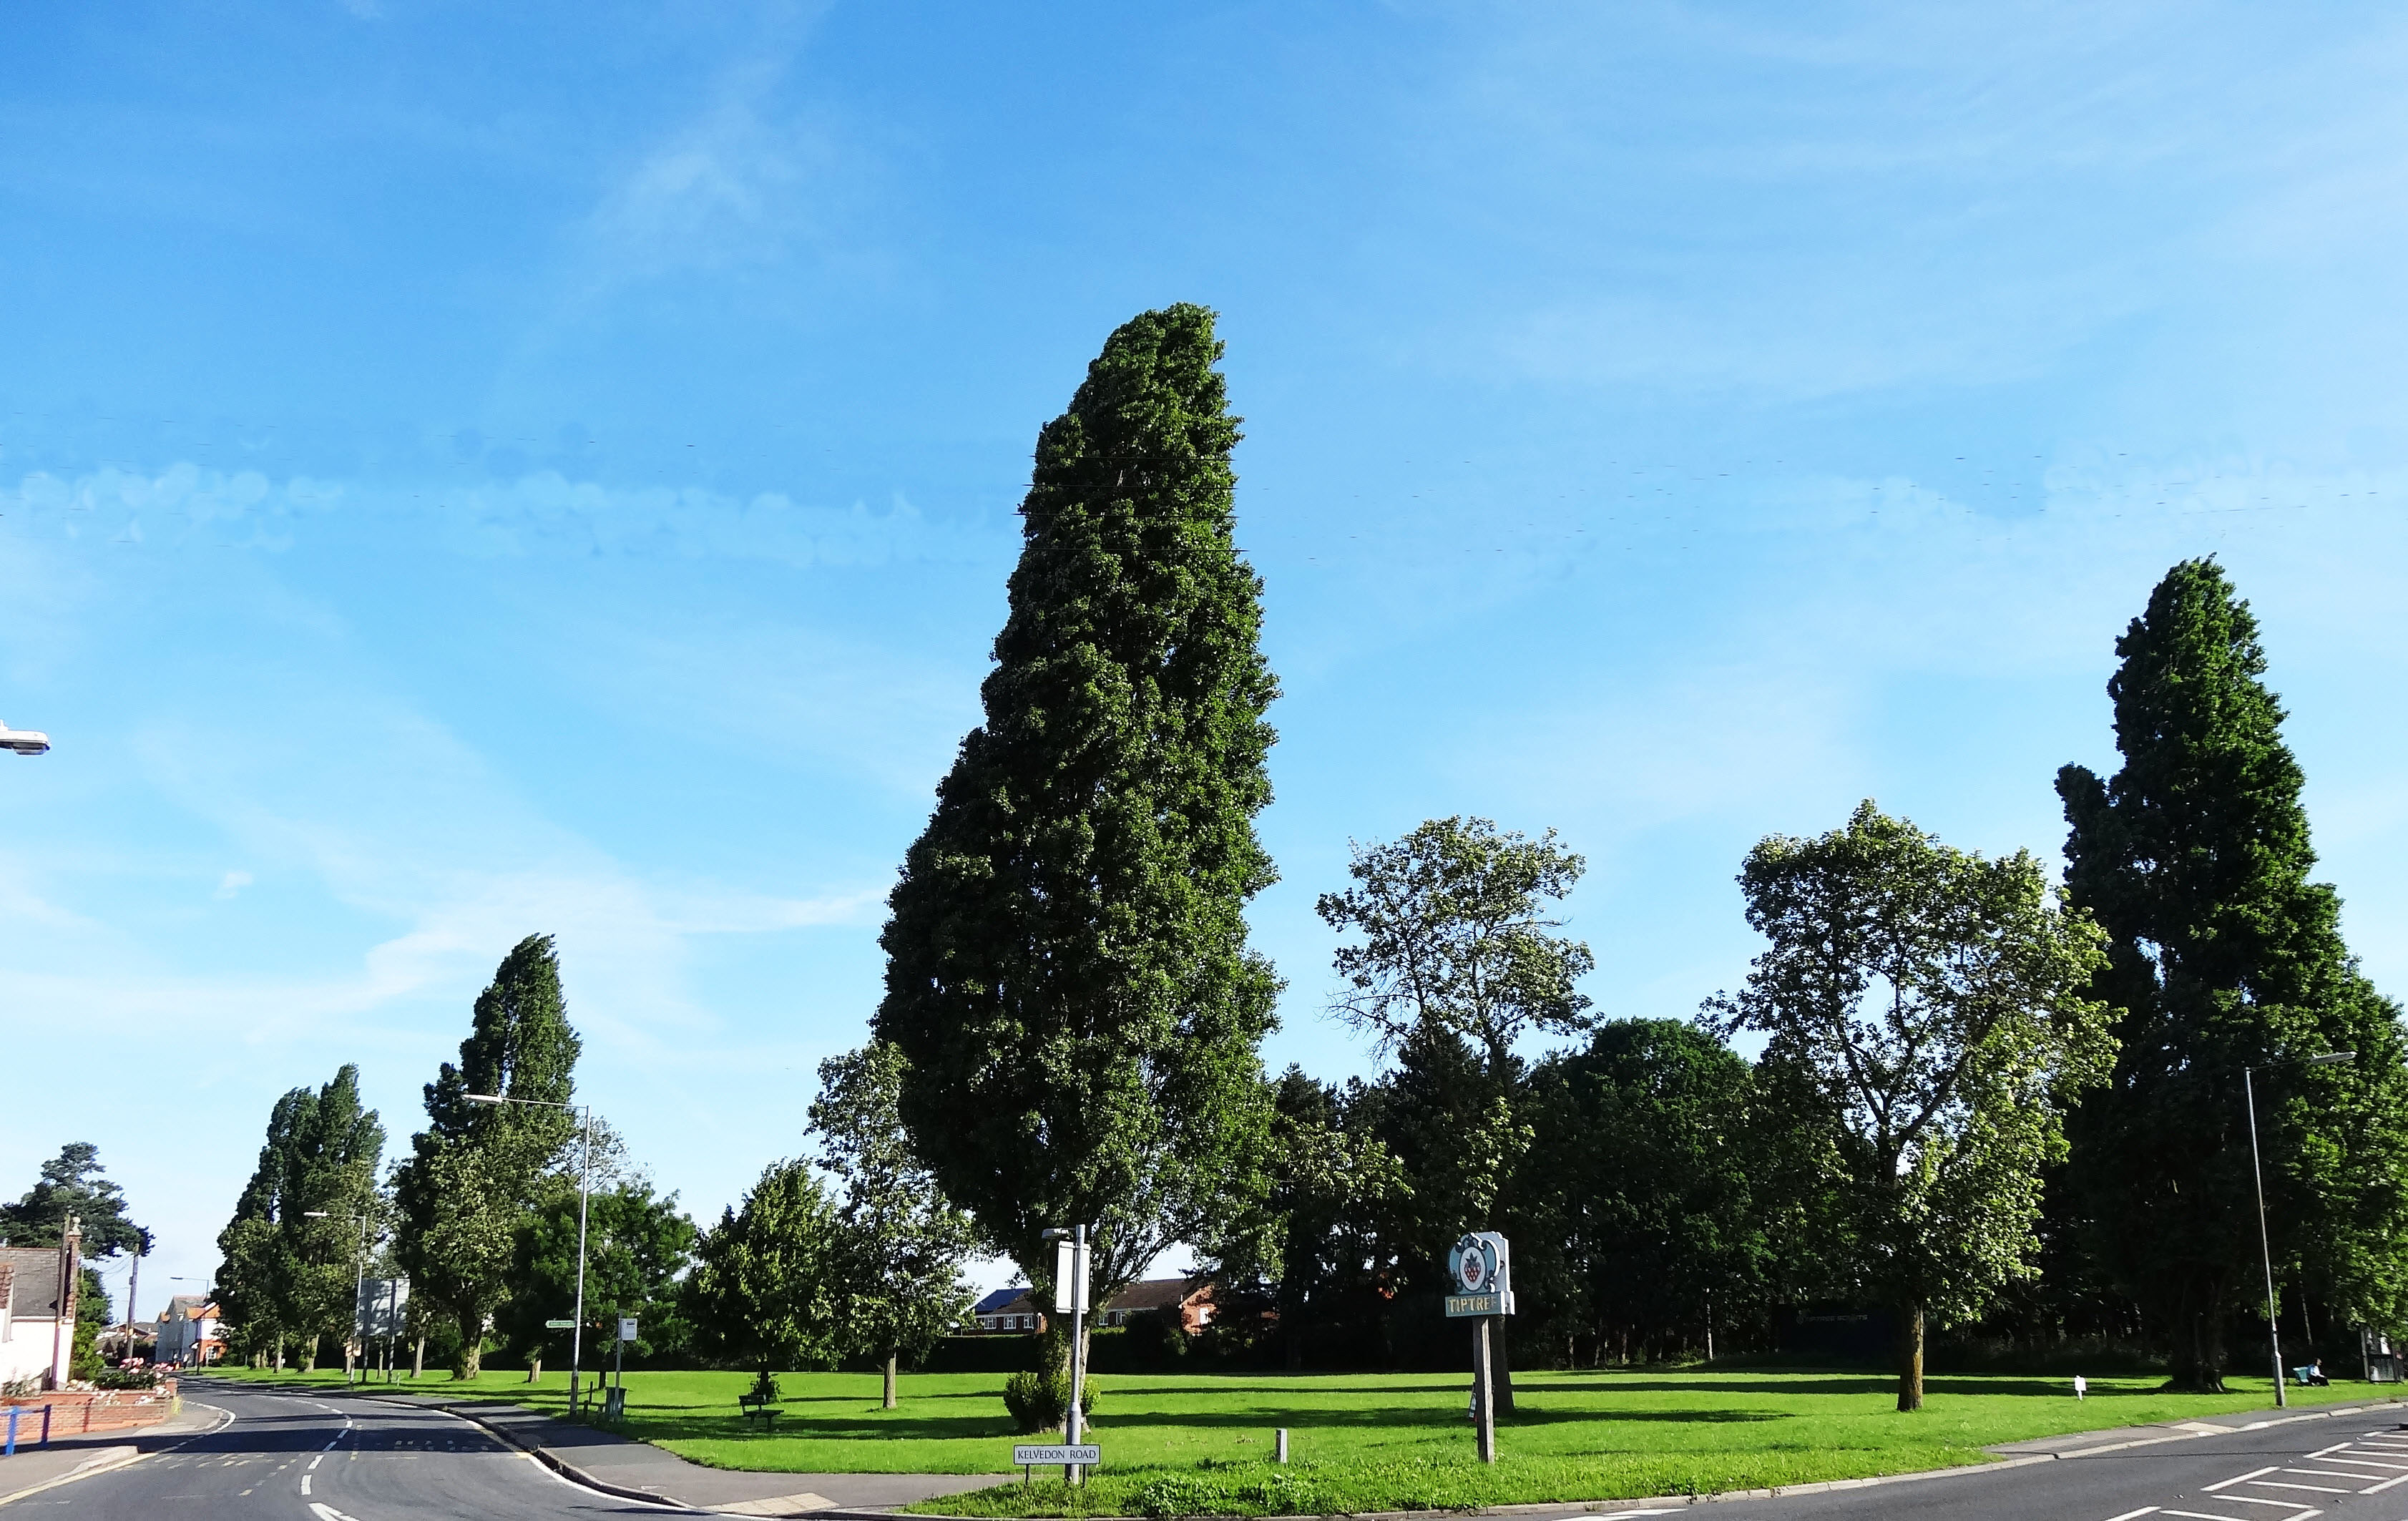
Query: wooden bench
{"points": [[757, 1408]]}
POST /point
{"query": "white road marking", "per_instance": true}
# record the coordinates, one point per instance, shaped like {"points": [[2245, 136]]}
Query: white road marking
{"points": [[315, 1461], [2378, 1489], [327, 1512], [305, 1484], [2135, 1515], [2208, 1515], [2257, 1499], [2325, 1473], [2319, 1488], [2240, 1479]]}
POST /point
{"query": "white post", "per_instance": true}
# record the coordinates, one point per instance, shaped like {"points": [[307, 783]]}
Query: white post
{"points": [[576, 1332], [1483, 1383], [2265, 1246], [1072, 1472]]}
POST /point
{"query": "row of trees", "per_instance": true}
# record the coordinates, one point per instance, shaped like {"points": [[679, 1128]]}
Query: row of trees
{"points": [[848, 1255], [1964, 1073]]}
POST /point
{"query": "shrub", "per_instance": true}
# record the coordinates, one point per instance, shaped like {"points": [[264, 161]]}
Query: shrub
{"points": [[1038, 1401], [764, 1388], [127, 1378], [1251, 1491]]}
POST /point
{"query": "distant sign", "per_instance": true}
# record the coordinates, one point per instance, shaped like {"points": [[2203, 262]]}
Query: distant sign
{"points": [[1461, 1305], [382, 1303], [626, 1327], [1030, 1455], [560, 1325]]}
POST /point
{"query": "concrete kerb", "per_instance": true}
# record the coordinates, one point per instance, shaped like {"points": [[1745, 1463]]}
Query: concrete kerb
{"points": [[1608, 1507]]}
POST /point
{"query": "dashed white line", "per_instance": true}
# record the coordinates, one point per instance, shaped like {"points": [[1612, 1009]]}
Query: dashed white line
{"points": [[305, 1484], [2135, 1515]]}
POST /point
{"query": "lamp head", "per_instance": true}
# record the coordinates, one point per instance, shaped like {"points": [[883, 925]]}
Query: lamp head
{"points": [[2330, 1057], [314, 1214], [483, 1097]]}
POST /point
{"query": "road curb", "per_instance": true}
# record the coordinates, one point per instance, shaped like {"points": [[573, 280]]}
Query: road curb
{"points": [[110, 1459]]}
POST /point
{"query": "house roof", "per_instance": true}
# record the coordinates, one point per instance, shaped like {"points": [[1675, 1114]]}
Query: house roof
{"points": [[33, 1281], [1158, 1294], [190, 1307], [1002, 1299]]}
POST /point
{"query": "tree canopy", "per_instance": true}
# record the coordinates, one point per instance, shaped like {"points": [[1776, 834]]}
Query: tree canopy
{"points": [[764, 1291], [477, 1169], [902, 1242], [1068, 973], [2195, 859], [74, 1183], [1930, 1005]]}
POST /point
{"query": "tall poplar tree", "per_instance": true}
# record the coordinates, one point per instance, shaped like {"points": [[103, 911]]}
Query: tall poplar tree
{"points": [[2195, 859], [1067, 972], [477, 1169], [291, 1251]]}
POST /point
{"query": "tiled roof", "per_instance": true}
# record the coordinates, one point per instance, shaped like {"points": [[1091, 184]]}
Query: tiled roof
{"points": [[998, 1298], [1155, 1293], [34, 1283]]}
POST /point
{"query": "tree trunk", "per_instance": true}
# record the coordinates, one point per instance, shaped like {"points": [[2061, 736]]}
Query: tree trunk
{"points": [[1910, 1356], [279, 1352], [890, 1380], [535, 1368], [1500, 1371], [2199, 1357], [418, 1357], [472, 1347], [309, 1355]]}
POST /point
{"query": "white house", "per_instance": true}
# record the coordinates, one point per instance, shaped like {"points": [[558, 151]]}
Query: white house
{"points": [[189, 1333], [37, 1318]]}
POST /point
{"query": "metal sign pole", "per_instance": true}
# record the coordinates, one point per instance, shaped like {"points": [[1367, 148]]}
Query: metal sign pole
{"points": [[1071, 1471]]}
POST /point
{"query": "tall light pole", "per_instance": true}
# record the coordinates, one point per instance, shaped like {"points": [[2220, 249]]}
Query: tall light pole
{"points": [[359, 1287], [2257, 1176], [584, 1174]]}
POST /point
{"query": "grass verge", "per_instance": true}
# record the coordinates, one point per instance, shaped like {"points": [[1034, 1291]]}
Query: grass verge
{"points": [[1196, 1445]]}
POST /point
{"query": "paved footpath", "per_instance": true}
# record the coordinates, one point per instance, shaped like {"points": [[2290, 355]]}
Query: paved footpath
{"points": [[293, 1455]]}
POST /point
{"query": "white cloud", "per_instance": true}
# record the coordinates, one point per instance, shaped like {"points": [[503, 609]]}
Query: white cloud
{"points": [[232, 883]]}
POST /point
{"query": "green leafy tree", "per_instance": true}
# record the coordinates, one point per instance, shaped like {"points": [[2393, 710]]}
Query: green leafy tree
{"points": [[1931, 1003], [1311, 1249], [289, 1254], [1456, 960], [1637, 1211], [1068, 973], [903, 1243], [477, 1170], [766, 1288], [638, 1246], [2195, 859], [74, 1183]]}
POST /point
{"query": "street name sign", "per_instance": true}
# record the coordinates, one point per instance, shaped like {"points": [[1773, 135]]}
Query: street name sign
{"points": [[626, 1327], [1460, 1305], [560, 1325], [1031, 1455]]}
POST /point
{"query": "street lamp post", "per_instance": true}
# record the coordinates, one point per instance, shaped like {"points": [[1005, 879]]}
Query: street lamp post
{"points": [[359, 1287], [584, 1174], [2258, 1177]]}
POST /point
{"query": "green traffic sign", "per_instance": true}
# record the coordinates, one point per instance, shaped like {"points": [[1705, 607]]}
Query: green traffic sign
{"points": [[559, 1324]]}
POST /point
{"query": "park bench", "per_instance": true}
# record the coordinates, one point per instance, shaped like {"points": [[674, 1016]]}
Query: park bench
{"points": [[756, 1407]]}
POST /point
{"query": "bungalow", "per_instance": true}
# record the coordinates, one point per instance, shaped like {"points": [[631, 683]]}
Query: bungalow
{"points": [[1008, 1311]]}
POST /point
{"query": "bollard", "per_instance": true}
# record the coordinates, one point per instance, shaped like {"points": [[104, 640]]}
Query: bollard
{"points": [[46, 1424], [1283, 1445], [12, 1433]]}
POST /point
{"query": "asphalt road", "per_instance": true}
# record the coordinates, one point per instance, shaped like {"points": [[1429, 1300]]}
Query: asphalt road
{"points": [[288, 1458], [2349, 1467]]}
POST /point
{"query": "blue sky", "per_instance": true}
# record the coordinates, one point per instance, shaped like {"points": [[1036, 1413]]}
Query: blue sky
{"points": [[467, 473]]}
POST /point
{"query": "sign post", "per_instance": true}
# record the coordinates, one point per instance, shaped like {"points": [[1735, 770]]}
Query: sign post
{"points": [[1482, 1266], [1070, 1296]]}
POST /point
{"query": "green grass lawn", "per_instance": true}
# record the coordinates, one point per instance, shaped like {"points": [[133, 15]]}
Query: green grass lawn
{"points": [[1194, 1444]]}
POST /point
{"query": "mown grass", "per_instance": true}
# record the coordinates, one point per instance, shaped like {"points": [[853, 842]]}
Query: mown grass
{"points": [[1199, 1443]]}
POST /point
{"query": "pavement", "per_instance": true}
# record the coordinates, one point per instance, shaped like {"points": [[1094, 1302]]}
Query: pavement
{"points": [[240, 1450]]}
